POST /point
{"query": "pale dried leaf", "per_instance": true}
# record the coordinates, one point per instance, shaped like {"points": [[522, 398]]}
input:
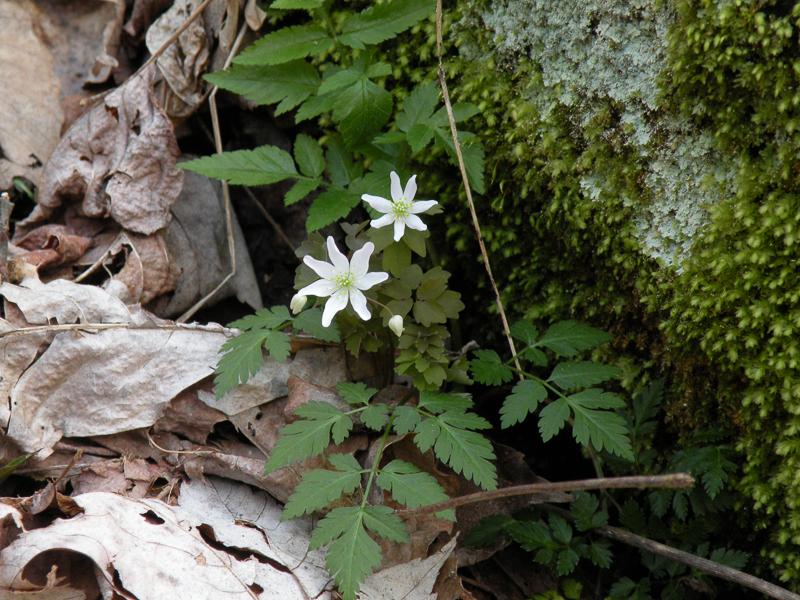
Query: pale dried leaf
{"points": [[106, 63]]}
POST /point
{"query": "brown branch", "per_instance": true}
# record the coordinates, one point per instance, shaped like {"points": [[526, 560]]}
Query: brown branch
{"points": [[671, 480], [6, 206], [695, 562]]}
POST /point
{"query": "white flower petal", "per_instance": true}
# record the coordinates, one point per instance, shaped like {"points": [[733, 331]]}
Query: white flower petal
{"points": [[338, 259], [400, 229], [297, 303], [422, 205], [334, 304], [359, 302], [397, 190], [320, 288], [411, 188], [383, 221], [380, 204], [359, 264], [371, 279], [396, 325], [415, 222], [321, 268]]}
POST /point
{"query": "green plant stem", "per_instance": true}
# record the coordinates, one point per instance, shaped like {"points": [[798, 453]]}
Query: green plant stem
{"points": [[374, 469]]}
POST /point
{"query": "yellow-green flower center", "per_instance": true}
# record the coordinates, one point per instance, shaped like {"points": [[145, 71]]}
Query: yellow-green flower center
{"points": [[344, 280], [400, 208]]}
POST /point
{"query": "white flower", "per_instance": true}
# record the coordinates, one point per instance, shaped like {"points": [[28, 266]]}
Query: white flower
{"points": [[396, 325], [402, 210], [342, 281], [297, 303]]}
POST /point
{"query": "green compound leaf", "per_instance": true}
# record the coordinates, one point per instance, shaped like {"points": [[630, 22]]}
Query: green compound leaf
{"points": [[301, 189], [586, 511], [581, 374], [243, 357], [375, 416], [463, 450], [308, 155], [355, 393], [303, 439], [438, 403], [310, 321], [487, 368], [361, 110], [553, 418], [317, 489], [295, 4], [525, 332], [471, 152], [418, 107], [286, 44], [261, 166], [486, 532], [276, 317], [525, 399], [406, 419], [600, 554], [383, 21], [383, 521], [332, 204], [289, 84], [412, 487], [567, 338], [604, 429]]}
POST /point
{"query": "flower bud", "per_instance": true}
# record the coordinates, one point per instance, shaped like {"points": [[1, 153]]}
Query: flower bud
{"points": [[297, 303], [396, 325]]}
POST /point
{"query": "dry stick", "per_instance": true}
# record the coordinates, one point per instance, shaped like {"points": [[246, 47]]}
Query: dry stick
{"points": [[101, 326], [6, 206], [695, 562], [477, 226], [226, 195], [98, 263], [671, 480]]}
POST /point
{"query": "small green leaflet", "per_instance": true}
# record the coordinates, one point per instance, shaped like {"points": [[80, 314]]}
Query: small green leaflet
{"points": [[286, 44], [375, 416], [418, 107], [332, 204], [567, 338], [410, 486], [301, 189], [487, 368], [276, 317], [525, 399], [486, 532], [288, 84], [362, 109], [383, 21], [355, 393], [309, 437], [463, 450], [525, 332], [243, 357], [308, 155], [294, 4], [320, 487], [8, 469], [438, 403], [592, 424], [586, 511], [310, 321], [471, 151], [406, 419], [261, 166], [581, 374]]}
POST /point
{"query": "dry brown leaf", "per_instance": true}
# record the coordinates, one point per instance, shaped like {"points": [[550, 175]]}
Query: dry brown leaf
{"points": [[143, 14], [50, 246], [30, 113], [189, 417], [118, 161], [107, 62]]}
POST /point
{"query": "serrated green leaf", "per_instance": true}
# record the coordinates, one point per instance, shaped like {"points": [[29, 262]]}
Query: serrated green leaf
{"points": [[331, 205], [586, 511], [567, 338], [301, 189], [601, 428], [525, 398], [310, 321], [308, 437], [471, 151], [451, 303], [599, 552], [340, 79], [418, 107], [410, 486], [486, 532], [553, 418], [315, 106], [530, 535], [317, 489], [680, 504], [362, 110], [288, 84], [735, 559], [525, 332], [716, 474], [567, 561], [419, 136], [434, 282], [383, 21], [487, 368], [383, 521], [296, 4], [375, 416], [276, 317], [463, 450], [341, 166], [562, 531], [355, 393], [439, 403], [308, 155], [461, 112], [406, 419], [261, 166], [632, 516], [568, 375], [243, 357], [286, 44]]}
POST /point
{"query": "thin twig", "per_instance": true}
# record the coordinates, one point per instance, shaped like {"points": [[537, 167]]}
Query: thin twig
{"points": [[671, 480], [96, 265], [476, 224], [101, 326], [695, 562], [157, 53], [6, 206], [226, 195], [271, 221]]}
